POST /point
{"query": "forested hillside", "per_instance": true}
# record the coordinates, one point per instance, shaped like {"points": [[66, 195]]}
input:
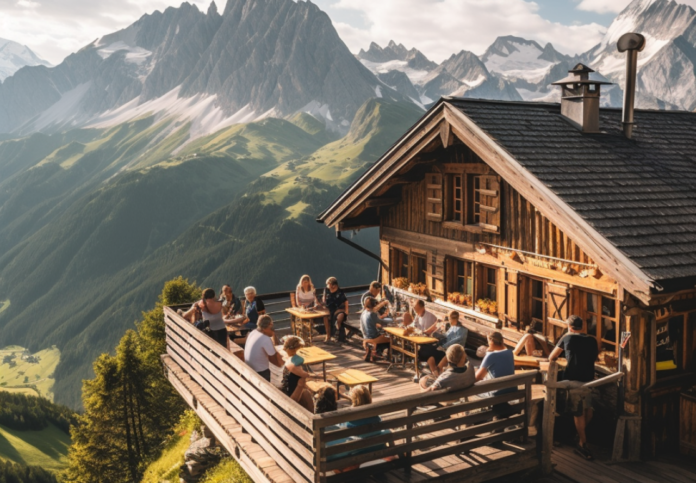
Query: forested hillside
{"points": [[92, 229]]}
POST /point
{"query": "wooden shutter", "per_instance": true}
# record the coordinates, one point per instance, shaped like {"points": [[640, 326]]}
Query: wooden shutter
{"points": [[557, 308], [512, 297], [433, 196], [385, 251], [490, 204]]}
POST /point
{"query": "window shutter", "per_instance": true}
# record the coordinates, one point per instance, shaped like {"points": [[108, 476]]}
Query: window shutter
{"points": [[511, 306], [490, 204], [433, 196], [557, 306]]}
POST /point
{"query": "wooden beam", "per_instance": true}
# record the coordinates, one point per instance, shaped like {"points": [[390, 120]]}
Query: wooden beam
{"points": [[359, 223], [606, 255], [375, 202]]}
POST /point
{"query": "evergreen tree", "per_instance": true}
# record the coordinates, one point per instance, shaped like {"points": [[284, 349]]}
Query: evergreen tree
{"points": [[129, 405]]}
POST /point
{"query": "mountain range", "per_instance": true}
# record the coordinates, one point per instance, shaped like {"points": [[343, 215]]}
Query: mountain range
{"points": [[203, 144], [14, 56]]}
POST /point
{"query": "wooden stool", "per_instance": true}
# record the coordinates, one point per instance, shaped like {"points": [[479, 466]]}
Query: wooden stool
{"points": [[351, 378]]}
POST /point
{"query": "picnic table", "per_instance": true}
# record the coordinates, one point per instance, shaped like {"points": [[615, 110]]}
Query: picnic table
{"points": [[400, 343], [312, 355], [302, 321], [351, 378]]}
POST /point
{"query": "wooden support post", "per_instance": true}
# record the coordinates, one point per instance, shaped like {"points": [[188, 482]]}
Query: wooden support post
{"points": [[549, 419]]}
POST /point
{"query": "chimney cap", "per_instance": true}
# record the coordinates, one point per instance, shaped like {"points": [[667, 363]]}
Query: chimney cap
{"points": [[580, 74], [631, 41], [580, 68]]}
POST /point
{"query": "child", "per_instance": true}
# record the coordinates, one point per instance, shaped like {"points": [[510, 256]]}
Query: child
{"points": [[294, 377]]}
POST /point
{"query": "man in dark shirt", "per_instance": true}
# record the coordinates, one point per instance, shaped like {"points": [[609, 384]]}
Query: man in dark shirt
{"points": [[581, 352], [374, 291], [337, 303]]}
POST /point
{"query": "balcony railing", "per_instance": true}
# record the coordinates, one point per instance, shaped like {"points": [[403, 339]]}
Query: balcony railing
{"points": [[277, 440]]}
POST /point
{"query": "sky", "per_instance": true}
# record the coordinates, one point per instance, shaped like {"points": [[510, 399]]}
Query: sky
{"points": [[55, 28]]}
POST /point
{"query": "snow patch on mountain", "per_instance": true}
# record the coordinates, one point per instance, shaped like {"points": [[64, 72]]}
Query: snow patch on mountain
{"points": [[135, 55], [416, 76]]}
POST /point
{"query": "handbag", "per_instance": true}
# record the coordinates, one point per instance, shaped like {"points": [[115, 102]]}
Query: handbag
{"points": [[203, 325]]}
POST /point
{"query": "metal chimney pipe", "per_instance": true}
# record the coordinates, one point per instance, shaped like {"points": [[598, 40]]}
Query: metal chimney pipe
{"points": [[631, 44]]}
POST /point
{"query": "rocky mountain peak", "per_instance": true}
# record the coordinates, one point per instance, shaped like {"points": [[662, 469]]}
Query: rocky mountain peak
{"points": [[14, 56], [212, 8]]}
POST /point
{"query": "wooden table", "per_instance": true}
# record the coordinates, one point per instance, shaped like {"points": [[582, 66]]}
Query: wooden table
{"points": [[302, 322], [398, 342], [311, 355], [351, 378]]}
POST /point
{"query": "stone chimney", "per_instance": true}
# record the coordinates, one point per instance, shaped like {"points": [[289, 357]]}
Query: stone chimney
{"points": [[580, 98]]}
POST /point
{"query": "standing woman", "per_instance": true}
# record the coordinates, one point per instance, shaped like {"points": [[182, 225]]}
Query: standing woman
{"points": [[253, 307], [211, 310], [305, 295]]}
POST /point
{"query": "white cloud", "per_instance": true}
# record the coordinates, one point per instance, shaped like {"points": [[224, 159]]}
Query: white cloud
{"points": [[56, 28], [616, 6], [440, 27]]}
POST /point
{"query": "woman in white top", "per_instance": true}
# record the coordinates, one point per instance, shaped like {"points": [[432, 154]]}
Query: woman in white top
{"points": [[305, 295]]}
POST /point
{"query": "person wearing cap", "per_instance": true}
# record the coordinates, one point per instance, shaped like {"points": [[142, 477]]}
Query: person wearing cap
{"points": [[457, 376], [336, 301], [374, 292], [499, 361], [581, 352]]}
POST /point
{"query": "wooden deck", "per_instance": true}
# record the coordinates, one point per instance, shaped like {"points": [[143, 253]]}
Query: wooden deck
{"points": [[570, 467]]}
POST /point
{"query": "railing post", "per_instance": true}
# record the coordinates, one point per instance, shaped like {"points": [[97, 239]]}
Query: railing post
{"points": [[409, 440], [527, 409], [318, 433], [549, 419]]}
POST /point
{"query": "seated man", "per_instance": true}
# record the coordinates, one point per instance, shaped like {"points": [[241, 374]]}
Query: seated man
{"points": [[383, 311], [581, 353], [499, 361], [260, 349], [426, 323], [456, 334], [336, 301], [370, 323], [459, 375], [532, 345]]}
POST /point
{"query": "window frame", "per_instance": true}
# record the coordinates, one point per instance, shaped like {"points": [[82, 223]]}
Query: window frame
{"points": [[597, 333]]}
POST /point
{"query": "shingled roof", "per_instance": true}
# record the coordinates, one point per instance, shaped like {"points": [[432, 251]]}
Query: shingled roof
{"points": [[639, 194]]}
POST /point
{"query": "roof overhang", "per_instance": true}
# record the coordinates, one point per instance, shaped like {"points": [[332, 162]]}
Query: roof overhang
{"points": [[443, 119]]}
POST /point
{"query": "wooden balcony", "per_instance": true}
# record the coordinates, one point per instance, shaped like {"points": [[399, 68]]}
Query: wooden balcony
{"points": [[439, 435]]}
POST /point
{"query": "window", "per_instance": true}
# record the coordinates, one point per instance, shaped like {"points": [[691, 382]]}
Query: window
{"points": [[420, 266], [457, 198], [433, 206], [476, 204], [538, 312], [602, 322], [464, 274], [490, 286], [400, 263]]}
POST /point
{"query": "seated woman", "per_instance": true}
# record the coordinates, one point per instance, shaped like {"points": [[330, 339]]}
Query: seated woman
{"points": [[455, 335], [370, 323], [253, 307], [295, 378], [305, 296], [211, 310]]}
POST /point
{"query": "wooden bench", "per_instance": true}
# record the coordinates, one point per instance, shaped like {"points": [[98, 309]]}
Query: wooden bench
{"points": [[351, 378]]}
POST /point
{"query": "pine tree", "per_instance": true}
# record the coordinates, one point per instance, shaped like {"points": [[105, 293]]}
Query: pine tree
{"points": [[129, 405]]}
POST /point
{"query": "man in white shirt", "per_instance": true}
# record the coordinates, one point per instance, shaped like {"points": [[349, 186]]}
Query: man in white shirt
{"points": [[425, 321], [259, 349]]}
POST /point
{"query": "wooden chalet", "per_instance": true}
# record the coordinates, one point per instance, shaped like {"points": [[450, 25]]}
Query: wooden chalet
{"points": [[550, 210]]}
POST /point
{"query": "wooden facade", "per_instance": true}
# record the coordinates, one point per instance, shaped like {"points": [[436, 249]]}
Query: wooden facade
{"points": [[458, 214]]}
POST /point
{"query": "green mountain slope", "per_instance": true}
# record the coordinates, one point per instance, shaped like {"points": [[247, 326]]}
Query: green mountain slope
{"points": [[47, 448], [90, 232]]}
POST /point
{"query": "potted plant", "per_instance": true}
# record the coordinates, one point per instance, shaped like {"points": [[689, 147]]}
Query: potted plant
{"points": [[481, 305], [492, 307]]}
